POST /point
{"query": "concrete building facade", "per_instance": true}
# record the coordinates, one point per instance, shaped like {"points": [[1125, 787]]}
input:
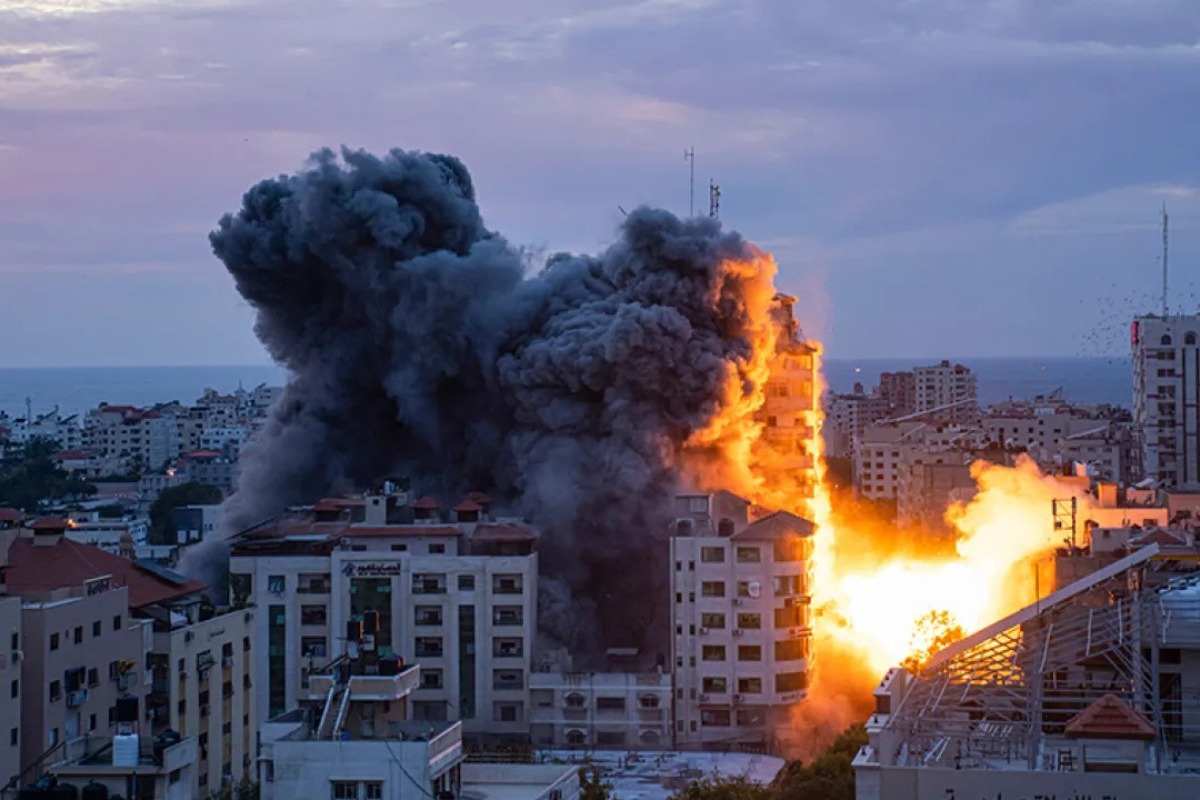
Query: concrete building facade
{"points": [[10, 685], [459, 597], [601, 710], [1166, 397], [740, 613]]}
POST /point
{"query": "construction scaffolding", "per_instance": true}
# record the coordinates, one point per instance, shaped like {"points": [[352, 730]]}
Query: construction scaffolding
{"points": [[1002, 697]]}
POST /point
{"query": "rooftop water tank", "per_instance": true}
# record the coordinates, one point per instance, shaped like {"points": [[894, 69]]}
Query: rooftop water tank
{"points": [[125, 750]]}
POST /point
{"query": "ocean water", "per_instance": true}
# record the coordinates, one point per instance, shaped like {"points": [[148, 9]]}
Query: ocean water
{"points": [[76, 389]]}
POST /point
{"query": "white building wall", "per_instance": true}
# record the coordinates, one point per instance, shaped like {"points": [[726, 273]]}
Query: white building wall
{"points": [[10, 687], [603, 710], [1166, 397]]}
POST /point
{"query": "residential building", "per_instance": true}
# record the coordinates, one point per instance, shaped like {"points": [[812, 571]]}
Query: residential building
{"points": [[741, 622], [898, 390], [455, 590], [353, 738], [126, 764], [1166, 398], [946, 392], [600, 710], [194, 523], [1090, 691], [847, 415], [791, 410], [65, 431], [10, 684], [210, 467], [103, 633], [140, 437]]}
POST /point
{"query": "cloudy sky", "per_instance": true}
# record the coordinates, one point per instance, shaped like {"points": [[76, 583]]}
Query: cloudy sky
{"points": [[935, 177]]}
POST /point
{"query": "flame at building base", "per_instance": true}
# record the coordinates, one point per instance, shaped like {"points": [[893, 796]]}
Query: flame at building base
{"points": [[880, 596]]}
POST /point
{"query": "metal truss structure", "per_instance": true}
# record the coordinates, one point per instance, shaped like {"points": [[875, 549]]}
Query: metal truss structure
{"points": [[1002, 697]]}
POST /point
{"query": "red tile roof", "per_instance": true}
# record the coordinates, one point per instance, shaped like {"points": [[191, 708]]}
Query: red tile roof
{"points": [[71, 455], [1110, 717], [467, 505], [40, 568], [10, 515], [427, 503], [50, 524], [479, 497]]}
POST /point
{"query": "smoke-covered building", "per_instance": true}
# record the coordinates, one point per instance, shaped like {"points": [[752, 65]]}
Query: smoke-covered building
{"points": [[455, 590], [741, 635]]}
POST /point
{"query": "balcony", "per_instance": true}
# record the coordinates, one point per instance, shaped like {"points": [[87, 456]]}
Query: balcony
{"points": [[368, 687], [77, 698]]}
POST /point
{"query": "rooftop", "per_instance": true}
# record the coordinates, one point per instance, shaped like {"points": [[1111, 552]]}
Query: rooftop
{"points": [[36, 568]]}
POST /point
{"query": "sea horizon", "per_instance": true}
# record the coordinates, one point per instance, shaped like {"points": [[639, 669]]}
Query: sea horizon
{"points": [[73, 390]]}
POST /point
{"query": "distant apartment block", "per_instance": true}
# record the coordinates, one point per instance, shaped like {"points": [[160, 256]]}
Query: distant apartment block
{"points": [[606, 710], [1166, 398], [946, 392]]}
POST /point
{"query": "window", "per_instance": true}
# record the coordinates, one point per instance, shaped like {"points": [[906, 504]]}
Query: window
{"points": [[345, 790], [610, 738], [429, 646], [610, 703], [437, 549], [313, 647], [506, 584], [466, 583], [713, 685], [14, 736], [791, 681], [54, 641], [313, 615], [749, 555], [373, 790], [15, 691], [712, 555], [117, 622], [400, 548], [712, 589], [751, 621], [712, 620], [715, 718], [93, 677], [507, 616], [507, 647], [428, 583], [427, 615], [791, 649], [749, 588], [431, 679], [78, 634], [55, 690], [1189, 338], [508, 679], [96, 628], [712, 652], [92, 722], [749, 652], [750, 685]]}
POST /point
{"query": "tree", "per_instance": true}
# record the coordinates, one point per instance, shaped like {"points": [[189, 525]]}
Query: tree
{"points": [[719, 787], [829, 777], [34, 481], [162, 521], [592, 785]]}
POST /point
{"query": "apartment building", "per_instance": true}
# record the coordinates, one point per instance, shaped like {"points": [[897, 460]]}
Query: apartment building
{"points": [[878, 453], [791, 411], [10, 684], [140, 437], [101, 631], [741, 623], [603, 710], [946, 392], [848, 415], [1166, 398], [454, 589], [898, 390]]}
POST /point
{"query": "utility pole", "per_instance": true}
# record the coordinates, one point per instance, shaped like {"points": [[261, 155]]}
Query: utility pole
{"points": [[689, 156]]}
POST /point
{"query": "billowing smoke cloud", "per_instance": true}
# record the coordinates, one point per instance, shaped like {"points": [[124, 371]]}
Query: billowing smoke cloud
{"points": [[422, 344]]}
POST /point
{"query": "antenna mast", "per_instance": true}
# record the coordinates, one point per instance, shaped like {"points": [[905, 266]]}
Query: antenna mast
{"points": [[689, 155], [1164, 258], [714, 199]]}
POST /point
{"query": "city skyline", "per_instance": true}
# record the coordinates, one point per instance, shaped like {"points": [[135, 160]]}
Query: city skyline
{"points": [[990, 177]]}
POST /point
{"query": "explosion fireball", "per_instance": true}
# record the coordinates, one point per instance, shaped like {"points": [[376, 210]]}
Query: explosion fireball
{"points": [[583, 395]]}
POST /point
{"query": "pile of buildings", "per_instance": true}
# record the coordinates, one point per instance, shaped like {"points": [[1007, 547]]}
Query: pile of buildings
{"points": [[455, 590], [166, 444]]}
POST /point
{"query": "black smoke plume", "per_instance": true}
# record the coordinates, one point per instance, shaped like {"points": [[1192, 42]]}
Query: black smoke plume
{"points": [[422, 344]]}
